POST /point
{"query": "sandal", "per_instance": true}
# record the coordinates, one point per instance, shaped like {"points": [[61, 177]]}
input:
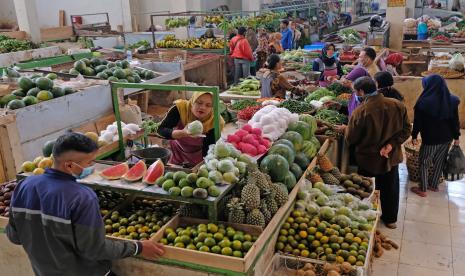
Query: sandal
{"points": [[433, 189], [417, 191]]}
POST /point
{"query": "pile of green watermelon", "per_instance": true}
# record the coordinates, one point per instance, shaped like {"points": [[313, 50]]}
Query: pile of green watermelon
{"points": [[33, 90], [118, 71], [289, 157]]}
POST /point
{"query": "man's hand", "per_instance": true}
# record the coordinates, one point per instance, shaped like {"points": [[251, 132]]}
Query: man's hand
{"points": [[340, 129], [386, 150], [457, 142], [152, 250], [414, 142]]}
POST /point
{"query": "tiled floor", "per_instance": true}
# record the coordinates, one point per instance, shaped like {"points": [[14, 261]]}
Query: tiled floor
{"points": [[430, 233]]}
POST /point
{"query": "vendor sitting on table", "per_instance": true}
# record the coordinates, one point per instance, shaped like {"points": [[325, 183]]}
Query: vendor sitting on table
{"points": [[328, 64], [187, 149], [273, 84]]}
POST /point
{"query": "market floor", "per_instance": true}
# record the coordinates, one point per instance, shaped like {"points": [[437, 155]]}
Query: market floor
{"points": [[430, 232]]}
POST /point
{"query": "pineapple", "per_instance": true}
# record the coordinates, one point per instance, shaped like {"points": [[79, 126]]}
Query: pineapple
{"points": [[336, 172], [255, 217], [329, 179], [280, 194], [250, 196], [259, 179], [236, 212], [271, 203], [265, 211], [315, 178], [324, 163]]}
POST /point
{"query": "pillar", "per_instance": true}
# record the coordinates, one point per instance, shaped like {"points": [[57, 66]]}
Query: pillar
{"points": [[396, 16], [28, 21], [251, 5], [127, 15]]}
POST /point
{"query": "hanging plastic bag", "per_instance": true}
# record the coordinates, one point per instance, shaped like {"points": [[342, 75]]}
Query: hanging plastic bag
{"points": [[455, 165], [456, 62], [131, 113]]}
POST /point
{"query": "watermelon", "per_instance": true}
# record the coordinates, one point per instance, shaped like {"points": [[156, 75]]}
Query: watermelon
{"points": [[155, 171], [309, 149], [276, 166], [136, 172], [283, 150], [311, 121], [289, 180], [115, 172], [47, 149], [285, 142], [296, 170], [302, 128], [302, 160], [296, 139]]}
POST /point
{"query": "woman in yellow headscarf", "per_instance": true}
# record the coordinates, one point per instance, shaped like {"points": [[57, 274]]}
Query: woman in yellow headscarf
{"points": [[187, 149]]}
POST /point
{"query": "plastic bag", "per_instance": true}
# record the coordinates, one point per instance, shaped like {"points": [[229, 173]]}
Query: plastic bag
{"points": [[131, 113], [455, 165], [456, 62]]}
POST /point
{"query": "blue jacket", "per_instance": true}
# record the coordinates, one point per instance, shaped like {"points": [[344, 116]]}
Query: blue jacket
{"points": [[58, 223], [286, 40]]}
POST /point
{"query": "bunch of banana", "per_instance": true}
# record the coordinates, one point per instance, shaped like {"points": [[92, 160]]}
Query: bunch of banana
{"points": [[208, 43], [176, 22], [214, 19]]}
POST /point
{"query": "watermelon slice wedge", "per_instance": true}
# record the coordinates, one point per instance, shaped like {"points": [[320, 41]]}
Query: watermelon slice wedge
{"points": [[115, 172], [155, 171], [136, 172]]}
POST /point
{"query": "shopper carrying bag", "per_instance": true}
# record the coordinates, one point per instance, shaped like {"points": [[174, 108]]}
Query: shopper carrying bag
{"points": [[437, 121]]}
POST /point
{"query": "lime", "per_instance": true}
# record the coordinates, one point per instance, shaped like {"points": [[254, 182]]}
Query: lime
{"points": [[191, 247], [209, 242], [226, 251], [247, 245], [179, 244], [238, 237], [218, 237], [216, 249], [199, 245], [204, 249], [171, 237], [237, 245], [212, 228], [237, 254], [224, 243]]}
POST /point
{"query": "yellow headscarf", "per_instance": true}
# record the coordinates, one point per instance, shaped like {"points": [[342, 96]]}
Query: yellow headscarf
{"points": [[185, 112]]}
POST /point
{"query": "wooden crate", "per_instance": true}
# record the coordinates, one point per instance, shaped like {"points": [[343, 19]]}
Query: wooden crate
{"points": [[205, 258], [56, 33]]}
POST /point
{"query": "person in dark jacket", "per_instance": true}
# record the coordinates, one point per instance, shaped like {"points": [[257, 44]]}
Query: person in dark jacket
{"points": [[57, 220], [377, 129], [384, 81], [437, 121]]}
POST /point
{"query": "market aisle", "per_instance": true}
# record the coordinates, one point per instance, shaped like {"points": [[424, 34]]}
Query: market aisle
{"points": [[430, 233]]}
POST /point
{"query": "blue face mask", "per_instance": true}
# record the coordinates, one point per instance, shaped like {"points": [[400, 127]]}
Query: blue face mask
{"points": [[359, 99], [85, 171]]}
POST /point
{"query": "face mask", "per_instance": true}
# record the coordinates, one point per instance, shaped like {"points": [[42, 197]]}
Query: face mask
{"points": [[85, 172], [359, 99]]}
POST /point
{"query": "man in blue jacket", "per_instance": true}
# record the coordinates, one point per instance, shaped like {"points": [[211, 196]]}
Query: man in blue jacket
{"points": [[286, 40], [57, 220]]}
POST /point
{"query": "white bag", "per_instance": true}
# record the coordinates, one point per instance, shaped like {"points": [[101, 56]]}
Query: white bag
{"points": [[130, 113], [456, 62]]}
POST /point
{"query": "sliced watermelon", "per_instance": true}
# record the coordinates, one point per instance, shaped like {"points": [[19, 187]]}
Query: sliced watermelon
{"points": [[155, 171], [136, 172], [115, 172]]}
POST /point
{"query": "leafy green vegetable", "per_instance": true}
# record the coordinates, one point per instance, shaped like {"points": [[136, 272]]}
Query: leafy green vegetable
{"points": [[296, 106], [140, 43], [150, 126], [241, 104], [318, 94], [338, 88], [331, 116], [13, 45]]}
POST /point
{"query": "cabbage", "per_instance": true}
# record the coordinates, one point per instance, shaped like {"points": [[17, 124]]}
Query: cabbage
{"points": [[225, 166], [195, 128], [230, 178], [222, 150], [215, 176], [327, 212]]}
